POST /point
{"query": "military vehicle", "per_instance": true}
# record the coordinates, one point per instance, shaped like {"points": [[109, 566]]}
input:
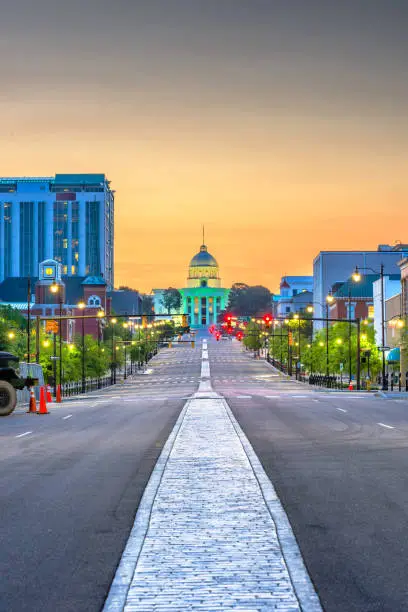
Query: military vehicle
{"points": [[11, 382]]}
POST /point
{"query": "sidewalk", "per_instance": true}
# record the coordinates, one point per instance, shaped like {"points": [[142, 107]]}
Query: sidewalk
{"points": [[210, 533]]}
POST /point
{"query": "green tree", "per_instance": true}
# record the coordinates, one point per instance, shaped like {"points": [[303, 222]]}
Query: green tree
{"points": [[171, 299], [253, 336], [245, 300], [147, 304]]}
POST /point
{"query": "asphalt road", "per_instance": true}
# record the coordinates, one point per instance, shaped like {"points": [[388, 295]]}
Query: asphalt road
{"points": [[339, 462], [71, 482]]}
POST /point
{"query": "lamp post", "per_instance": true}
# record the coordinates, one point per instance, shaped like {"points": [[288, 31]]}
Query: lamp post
{"points": [[356, 276], [125, 327], [56, 289], [99, 314], [113, 353], [329, 300], [82, 307], [28, 318]]}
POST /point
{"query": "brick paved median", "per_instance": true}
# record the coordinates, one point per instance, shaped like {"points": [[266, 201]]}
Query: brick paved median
{"points": [[211, 542]]}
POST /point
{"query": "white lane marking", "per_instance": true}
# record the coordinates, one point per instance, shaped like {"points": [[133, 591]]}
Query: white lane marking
{"points": [[386, 426], [67, 417], [341, 409], [300, 396], [26, 433], [272, 396], [243, 396]]}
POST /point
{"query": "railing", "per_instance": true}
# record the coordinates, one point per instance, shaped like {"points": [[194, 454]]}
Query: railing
{"points": [[90, 384], [396, 381]]}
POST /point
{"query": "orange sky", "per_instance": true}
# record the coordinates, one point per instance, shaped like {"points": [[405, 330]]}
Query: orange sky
{"points": [[279, 154]]}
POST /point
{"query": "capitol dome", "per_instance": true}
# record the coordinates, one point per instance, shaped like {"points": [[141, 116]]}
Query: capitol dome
{"points": [[203, 258], [203, 269]]}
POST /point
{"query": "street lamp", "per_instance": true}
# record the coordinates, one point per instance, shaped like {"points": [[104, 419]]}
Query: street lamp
{"points": [[329, 300], [113, 353], [55, 288], [11, 335], [125, 327], [82, 306], [356, 276]]}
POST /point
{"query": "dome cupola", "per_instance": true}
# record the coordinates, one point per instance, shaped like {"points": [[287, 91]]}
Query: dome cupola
{"points": [[203, 269]]}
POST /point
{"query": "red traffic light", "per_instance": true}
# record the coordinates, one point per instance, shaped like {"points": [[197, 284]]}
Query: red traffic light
{"points": [[217, 336], [239, 336], [267, 319]]}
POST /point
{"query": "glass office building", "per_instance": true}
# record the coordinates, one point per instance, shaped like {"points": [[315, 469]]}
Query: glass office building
{"points": [[68, 218]]}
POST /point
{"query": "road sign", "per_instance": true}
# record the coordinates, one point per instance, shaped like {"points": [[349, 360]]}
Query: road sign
{"points": [[51, 326]]}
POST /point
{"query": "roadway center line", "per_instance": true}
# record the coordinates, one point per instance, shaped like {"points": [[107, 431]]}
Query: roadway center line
{"points": [[386, 426], [26, 433], [341, 409], [67, 417]]}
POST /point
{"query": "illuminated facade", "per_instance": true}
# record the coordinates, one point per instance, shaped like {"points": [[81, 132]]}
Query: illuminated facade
{"points": [[68, 218], [203, 298]]}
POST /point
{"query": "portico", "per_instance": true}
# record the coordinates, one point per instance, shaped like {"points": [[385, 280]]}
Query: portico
{"points": [[203, 298]]}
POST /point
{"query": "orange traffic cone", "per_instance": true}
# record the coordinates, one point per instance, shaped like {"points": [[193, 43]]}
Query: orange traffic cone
{"points": [[59, 400], [43, 405], [350, 387], [32, 408], [49, 396]]}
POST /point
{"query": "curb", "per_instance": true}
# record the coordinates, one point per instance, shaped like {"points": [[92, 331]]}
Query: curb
{"points": [[116, 599]]}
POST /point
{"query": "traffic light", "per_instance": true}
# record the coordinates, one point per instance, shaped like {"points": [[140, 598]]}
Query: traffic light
{"points": [[267, 320], [239, 336], [290, 338], [217, 336]]}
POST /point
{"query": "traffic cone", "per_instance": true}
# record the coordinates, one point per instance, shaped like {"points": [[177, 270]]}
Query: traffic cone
{"points": [[32, 408], [59, 400], [49, 396], [350, 387], [43, 405]]}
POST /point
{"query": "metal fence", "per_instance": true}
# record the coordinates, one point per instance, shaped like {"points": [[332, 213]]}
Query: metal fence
{"points": [[33, 370]]}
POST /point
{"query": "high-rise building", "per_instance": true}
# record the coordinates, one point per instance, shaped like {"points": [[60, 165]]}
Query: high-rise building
{"points": [[68, 218]]}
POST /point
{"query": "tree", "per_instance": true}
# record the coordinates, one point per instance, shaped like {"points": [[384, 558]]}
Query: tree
{"points": [[171, 299], [147, 304], [253, 337], [126, 288], [245, 300]]}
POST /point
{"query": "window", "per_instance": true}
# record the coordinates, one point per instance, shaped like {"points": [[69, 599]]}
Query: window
{"points": [[94, 300]]}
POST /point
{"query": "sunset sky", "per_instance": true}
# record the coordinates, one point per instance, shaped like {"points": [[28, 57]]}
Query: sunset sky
{"points": [[280, 124]]}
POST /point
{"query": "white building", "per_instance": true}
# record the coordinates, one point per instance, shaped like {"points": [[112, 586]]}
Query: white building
{"points": [[392, 287], [290, 296]]}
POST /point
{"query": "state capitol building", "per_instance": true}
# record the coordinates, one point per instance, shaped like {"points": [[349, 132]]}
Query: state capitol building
{"points": [[203, 298]]}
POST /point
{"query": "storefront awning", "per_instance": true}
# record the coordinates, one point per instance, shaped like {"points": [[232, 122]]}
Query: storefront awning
{"points": [[394, 355]]}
